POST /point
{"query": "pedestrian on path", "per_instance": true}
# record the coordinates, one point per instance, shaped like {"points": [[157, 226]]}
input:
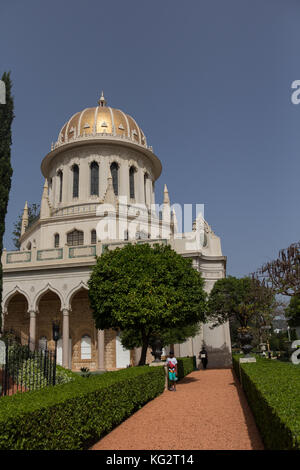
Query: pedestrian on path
{"points": [[204, 358], [172, 370]]}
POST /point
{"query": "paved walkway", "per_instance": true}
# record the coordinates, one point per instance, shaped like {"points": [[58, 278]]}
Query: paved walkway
{"points": [[208, 411]]}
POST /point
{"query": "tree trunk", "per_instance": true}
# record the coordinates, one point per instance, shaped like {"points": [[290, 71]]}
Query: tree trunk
{"points": [[145, 340]]}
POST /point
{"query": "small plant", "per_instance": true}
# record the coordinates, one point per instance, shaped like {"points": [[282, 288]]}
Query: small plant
{"points": [[62, 377], [85, 372]]}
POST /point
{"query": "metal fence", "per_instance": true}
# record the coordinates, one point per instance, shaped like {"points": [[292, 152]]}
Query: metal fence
{"points": [[22, 370]]}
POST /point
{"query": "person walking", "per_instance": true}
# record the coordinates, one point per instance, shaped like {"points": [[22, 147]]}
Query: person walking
{"points": [[204, 358], [172, 370]]}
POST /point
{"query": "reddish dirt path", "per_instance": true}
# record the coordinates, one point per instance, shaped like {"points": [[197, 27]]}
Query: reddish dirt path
{"points": [[209, 412]]}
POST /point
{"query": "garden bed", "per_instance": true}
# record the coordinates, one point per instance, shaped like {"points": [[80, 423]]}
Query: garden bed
{"points": [[74, 415], [272, 389]]}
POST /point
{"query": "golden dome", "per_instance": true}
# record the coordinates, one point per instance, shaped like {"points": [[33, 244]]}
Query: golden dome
{"points": [[101, 120], [101, 125]]}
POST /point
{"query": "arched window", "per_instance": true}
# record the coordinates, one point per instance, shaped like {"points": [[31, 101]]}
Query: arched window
{"points": [[56, 240], [75, 169], [132, 171], [86, 347], [60, 177], [93, 237], [75, 238], [114, 168], [94, 179], [28, 246], [145, 186]]}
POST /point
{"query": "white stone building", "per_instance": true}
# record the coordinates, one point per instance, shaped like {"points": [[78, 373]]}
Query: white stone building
{"points": [[99, 171]]}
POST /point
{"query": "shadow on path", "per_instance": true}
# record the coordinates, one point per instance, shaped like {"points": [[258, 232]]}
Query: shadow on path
{"points": [[248, 415]]}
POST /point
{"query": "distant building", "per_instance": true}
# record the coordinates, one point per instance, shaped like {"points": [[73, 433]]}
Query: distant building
{"points": [[279, 324]]}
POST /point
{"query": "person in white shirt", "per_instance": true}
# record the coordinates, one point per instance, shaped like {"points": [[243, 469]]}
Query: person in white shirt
{"points": [[171, 363]]}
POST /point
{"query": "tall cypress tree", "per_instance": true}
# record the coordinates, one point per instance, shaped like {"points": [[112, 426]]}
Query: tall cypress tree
{"points": [[6, 118]]}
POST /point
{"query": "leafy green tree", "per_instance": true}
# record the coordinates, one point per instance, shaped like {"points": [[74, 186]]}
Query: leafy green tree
{"points": [[239, 299], [133, 339], [293, 311], [146, 289], [6, 118], [33, 214]]}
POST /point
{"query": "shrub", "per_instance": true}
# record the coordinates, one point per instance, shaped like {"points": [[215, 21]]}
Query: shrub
{"points": [[185, 365], [272, 390], [64, 376], [76, 414]]}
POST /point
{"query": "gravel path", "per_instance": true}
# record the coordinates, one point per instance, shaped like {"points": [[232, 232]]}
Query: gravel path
{"points": [[208, 411]]}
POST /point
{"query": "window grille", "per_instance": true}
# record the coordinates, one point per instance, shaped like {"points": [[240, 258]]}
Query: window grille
{"points": [[60, 176], [75, 238], [131, 182], [75, 180], [93, 237], [94, 179], [56, 240], [114, 173], [145, 186]]}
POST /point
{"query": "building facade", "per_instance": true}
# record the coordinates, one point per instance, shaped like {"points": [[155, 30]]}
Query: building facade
{"points": [[99, 193]]}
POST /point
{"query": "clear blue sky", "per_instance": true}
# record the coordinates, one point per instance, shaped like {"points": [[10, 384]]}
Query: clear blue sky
{"points": [[209, 82]]}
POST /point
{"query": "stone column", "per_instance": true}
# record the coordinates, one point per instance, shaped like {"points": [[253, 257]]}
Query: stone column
{"points": [[140, 198], [66, 336], [32, 330], [101, 358], [124, 180], [84, 181]]}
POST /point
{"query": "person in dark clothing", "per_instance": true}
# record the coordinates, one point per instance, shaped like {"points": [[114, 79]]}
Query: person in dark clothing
{"points": [[203, 357]]}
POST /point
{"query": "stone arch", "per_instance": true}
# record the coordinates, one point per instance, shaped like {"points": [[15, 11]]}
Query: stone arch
{"points": [[49, 304], [16, 317], [82, 323], [40, 294], [11, 294], [73, 292]]}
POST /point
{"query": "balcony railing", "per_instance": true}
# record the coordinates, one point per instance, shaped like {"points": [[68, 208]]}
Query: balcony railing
{"points": [[65, 255]]}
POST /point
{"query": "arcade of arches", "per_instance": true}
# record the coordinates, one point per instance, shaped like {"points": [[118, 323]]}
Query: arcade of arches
{"points": [[80, 343]]}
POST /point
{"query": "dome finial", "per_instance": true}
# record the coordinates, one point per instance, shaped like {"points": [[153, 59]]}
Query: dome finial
{"points": [[102, 100]]}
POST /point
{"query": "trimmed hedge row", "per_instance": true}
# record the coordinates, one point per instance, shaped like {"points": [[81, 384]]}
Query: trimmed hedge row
{"points": [[185, 365], [76, 414], [272, 389]]}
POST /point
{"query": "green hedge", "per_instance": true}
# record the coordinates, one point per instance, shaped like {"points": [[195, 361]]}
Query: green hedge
{"points": [[76, 414], [185, 365], [272, 389]]}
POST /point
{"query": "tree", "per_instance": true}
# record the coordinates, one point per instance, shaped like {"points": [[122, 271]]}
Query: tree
{"points": [[33, 215], [293, 311], [147, 290], [131, 338], [6, 118], [283, 274], [241, 300]]}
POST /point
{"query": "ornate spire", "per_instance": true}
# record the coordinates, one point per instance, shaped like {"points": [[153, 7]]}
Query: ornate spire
{"points": [[102, 100], [45, 207], [24, 224], [166, 195]]}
